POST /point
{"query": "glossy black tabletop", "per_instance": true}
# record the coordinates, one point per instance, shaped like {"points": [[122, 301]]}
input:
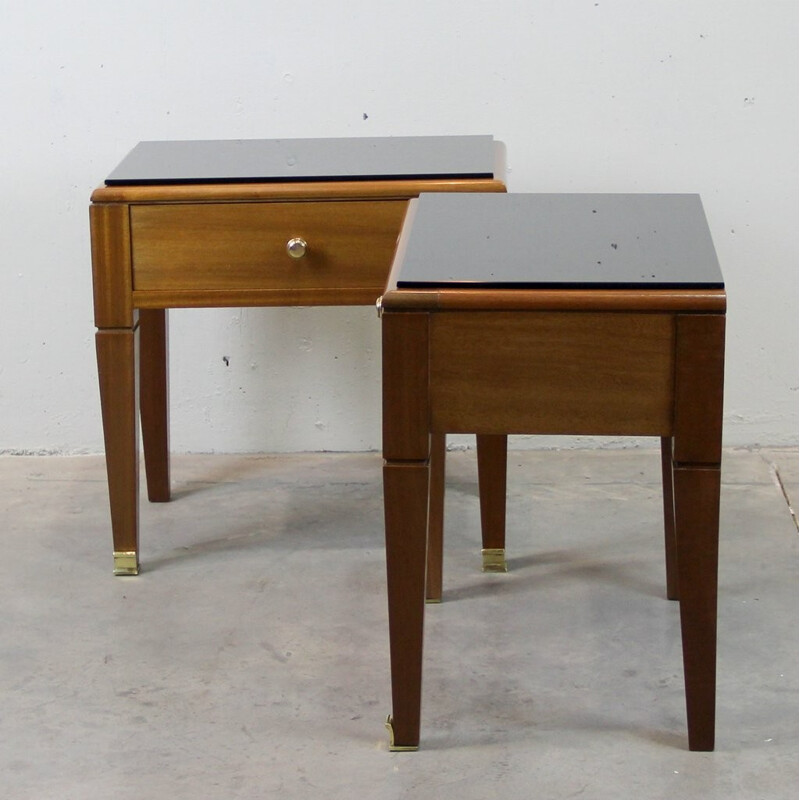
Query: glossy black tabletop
{"points": [[558, 241], [265, 160]]}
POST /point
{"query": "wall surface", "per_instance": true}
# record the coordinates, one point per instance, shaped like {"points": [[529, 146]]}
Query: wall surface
{"points": [[588, 96]]}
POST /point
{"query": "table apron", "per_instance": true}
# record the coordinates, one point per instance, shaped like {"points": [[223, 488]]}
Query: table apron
{"points": [[552, 373], [259, 298]]}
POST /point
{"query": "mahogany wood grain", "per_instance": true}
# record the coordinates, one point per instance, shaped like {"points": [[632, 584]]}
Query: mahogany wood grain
{"points": [[405, 387], [116, 359], [154, 402], [670, 542], [613, 300], [433, 582], [699, 377], [242, 298], [501, 372], [223, 245], [406, 519], [551, 373], [577, 360], [492, 472], [111, 266], [234, 246], [406, 450], [697, 525], [311, 190], [492, 457]]}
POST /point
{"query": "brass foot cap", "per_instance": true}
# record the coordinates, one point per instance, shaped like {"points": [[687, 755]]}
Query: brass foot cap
{"points": [[126, 563], [433, 600], [397, 748], [494, 560]]}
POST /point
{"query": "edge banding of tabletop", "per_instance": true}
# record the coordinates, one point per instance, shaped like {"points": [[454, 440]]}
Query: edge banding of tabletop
{"points": [[300, 190], [711, 301]]}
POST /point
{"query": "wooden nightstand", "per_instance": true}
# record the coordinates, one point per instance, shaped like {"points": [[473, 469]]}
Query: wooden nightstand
{"points": [[241, 223], [555, 314]]}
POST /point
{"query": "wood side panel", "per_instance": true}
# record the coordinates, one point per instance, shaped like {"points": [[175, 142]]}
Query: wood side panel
{"points": [[551, 373], [699, 379], [405, 387], [243, 245], [111, 266]]}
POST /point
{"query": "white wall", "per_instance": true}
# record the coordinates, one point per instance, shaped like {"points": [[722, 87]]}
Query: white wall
{"points": [[613, 95]]}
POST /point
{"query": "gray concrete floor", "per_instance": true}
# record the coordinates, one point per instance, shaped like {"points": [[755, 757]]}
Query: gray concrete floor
{"points": [[250, 658]]}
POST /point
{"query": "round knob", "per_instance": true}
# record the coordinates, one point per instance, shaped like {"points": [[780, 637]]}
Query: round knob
{"points": [[296, 247]]}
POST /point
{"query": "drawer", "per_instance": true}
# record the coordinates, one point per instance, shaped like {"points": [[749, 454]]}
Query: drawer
{"points": [[243, 246]]}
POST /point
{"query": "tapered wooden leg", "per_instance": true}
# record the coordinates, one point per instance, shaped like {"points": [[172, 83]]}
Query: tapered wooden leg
{"points": [[492, 469], [697, 527], [697, 452], [670, 544], [406, 515], [154, 401], [406, 480], [116, 363], [433, 586]]}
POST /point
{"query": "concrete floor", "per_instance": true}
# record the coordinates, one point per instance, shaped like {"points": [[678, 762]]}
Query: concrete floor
{"points": [[250, 658]]}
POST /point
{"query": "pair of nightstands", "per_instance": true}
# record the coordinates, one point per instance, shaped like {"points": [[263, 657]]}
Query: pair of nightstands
{"points": [[502, 314]]}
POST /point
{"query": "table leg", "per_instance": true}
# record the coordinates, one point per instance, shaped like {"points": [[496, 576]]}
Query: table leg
{"points": [[116, 364], [697, 526], [406, 514], [406, 482], [433, 583], [154, 401], [697, 449], [492, 457], [492, 469], [670, 544]]}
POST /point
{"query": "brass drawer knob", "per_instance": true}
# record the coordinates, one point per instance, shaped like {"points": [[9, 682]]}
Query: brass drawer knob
{"points": [[296, 247]]}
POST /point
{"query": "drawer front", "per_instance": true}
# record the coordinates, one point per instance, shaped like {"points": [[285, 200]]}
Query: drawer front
{"points": [[241, 246]]}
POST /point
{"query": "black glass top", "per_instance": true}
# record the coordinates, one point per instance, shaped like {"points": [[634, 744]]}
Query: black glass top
{"points": [[559, 241], [265, 160]]}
